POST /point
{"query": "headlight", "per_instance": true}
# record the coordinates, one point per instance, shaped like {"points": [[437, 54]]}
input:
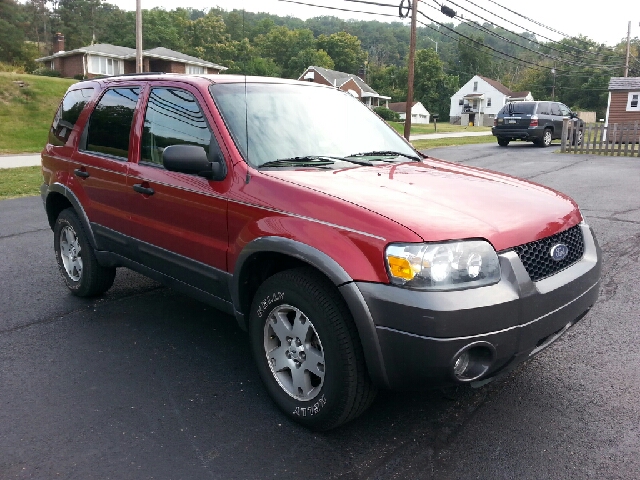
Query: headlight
{"points": [[443, 266]]}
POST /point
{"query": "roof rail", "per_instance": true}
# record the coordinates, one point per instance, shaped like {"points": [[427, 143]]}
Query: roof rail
{"points": [[136, 74]]}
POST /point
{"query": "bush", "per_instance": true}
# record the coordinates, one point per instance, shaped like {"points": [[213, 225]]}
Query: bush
{"points": [[387, 114], [79, 77], [11, 68], [46, 72]]}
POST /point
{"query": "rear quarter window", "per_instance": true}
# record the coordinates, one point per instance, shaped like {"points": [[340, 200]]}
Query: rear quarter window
{"points": [[67, 115]]}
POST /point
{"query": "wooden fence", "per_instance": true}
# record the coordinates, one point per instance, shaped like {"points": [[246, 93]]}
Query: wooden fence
{"points": [[618, 139]]}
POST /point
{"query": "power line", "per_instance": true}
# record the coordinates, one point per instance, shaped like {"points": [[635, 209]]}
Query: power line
{"points": [[519, 35], [340, 9], [531, 20]]}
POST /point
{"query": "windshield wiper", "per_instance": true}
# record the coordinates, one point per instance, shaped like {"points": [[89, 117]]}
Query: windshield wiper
{"points": [[314, 160], [309, 160], [384, 153]]}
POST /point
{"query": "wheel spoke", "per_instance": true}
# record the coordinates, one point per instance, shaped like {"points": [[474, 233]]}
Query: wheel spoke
{"points": [[314, 362], [301, 381], [278, 359], [300, 326], [281, 327]]}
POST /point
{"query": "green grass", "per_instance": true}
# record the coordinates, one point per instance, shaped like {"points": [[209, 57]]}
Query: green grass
{"points": [[419, 129], [20, 182], [26, 112], [449, 142]]}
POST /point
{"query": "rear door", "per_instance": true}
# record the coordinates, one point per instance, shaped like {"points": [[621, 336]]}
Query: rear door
{"points": [[180, 220], [556, 115], [100, 164]]}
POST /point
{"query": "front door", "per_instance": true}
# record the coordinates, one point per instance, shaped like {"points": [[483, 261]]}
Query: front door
{"points": [[180, 220]]}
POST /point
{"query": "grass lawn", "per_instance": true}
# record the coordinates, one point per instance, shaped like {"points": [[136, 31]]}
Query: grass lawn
{"points": [[26, 112], [448, 142], [418, 129], [20, 182]]}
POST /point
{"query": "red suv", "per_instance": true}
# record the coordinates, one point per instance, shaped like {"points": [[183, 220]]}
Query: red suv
{"points": [[354, 262]]}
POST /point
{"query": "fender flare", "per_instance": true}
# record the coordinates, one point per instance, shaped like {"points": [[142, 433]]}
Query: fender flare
{"points": [[77, 206]]}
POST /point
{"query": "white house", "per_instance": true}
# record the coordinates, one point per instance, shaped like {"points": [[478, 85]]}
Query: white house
{"points": [[480, 99], [419, 114], [347, 82]]}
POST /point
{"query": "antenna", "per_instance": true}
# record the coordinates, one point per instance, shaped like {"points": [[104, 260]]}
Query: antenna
{"points": [[246, 103]]}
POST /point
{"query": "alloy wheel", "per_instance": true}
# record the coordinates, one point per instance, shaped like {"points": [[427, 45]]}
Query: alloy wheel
{"points": [[294, 352], [71, 253]]}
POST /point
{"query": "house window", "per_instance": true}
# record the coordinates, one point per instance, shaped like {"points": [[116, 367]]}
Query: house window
{"points": [[194, 70], [475, 86], [52, 65], [461, 102], [632, 101], [105, 66], [488, 102]]}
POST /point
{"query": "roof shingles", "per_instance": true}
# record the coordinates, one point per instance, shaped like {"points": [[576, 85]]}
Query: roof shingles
{"points": [[624, 83]]}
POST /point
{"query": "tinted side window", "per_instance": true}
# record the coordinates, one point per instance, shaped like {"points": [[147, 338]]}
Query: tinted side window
{"points": [[173, 117], [564, 110], [67, 115], [110, 122], [544, 108], [555, 110]]}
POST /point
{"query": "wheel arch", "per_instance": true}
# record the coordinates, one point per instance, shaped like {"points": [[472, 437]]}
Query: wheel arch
{"points": [[266, 256], [58, 198]]}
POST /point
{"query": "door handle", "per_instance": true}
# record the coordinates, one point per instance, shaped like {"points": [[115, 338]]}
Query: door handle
{"points": [[144, 190], [81, 173]]}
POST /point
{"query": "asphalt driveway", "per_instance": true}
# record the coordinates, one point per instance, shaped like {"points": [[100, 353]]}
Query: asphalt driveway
{"points": [[147, 383]]}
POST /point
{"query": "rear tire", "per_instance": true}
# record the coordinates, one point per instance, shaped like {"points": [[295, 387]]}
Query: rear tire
{"points": [[308, 351], [545, 141], [503, 142], [82, 273]]}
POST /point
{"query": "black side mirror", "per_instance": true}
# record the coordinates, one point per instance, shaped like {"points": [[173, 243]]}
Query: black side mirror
{"points": [[193, 159]]}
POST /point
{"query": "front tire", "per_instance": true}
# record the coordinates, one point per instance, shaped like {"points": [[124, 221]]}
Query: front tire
{"points": [[307, 350], [82, 273]]}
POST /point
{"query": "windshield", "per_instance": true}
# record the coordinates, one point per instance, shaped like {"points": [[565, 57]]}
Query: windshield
{"points": [[285, 121], [522, 108]]}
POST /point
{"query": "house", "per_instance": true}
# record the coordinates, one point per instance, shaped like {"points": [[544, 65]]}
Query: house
{"points": [[347, 83], [480, 99], [623, 106], [104, 59], [419, 114]]}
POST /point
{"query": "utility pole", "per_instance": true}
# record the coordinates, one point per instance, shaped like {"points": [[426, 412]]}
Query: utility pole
{"points": [[412, 55], [138, 37], [626, 65], [553, 90]]}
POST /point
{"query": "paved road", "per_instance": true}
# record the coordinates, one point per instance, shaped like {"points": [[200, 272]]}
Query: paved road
{"points": [[147, 383], [20, 160]]}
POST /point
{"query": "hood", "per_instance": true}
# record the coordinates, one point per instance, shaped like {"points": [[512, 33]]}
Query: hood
{"points": [[443, 201]]}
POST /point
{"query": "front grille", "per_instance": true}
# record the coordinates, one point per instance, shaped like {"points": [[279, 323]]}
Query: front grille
{"points": [[536, 256]]}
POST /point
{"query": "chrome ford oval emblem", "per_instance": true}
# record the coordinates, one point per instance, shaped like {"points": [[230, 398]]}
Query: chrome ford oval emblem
{"points": [[559, 252]]}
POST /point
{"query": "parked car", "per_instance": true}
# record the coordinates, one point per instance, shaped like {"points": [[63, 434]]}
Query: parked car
{"points": [[537, 122], [353, 261]]}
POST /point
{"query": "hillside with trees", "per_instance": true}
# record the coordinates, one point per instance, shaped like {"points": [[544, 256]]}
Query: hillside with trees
{"points": [[270, 45]]}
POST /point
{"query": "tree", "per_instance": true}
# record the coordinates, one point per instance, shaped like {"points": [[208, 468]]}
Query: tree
{"points": [[344, 49], [472, 59], [305, 58], [12, 37]]}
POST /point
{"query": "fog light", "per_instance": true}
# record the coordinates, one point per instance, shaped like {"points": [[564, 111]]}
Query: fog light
{"points": [[461, 365], [472, 361]]}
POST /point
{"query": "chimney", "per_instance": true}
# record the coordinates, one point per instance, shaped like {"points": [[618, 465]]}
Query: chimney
{"points": [[58, 43], [362, 74]]}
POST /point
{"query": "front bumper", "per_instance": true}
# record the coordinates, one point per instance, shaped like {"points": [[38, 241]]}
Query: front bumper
{"points": [[420, 333]]}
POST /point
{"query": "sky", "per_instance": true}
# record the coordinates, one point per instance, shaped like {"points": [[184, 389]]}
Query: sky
{"points": [[604, 22]]}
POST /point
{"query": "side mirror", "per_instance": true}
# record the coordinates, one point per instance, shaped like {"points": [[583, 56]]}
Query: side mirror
{"points": [[193, 159]]}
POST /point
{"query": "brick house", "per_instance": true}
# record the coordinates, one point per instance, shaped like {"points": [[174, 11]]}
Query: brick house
{"points": [[105, 60], [346, 82]]}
